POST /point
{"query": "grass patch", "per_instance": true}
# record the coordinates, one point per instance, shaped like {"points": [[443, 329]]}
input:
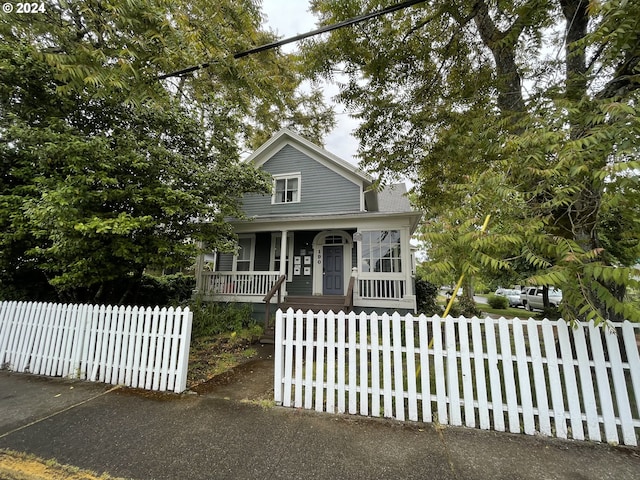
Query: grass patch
{"points": [[506, 312], [21, 466]]}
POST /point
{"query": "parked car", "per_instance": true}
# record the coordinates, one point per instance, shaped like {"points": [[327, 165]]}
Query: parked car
{"points": [[531, 298], [512, 295], [448, 291]]}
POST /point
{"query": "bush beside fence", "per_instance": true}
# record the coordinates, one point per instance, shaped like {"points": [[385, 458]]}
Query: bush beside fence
{"points": [[136, 347], [524, 376]]}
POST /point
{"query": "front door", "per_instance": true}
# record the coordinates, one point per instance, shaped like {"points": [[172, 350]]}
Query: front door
{"points": [[333, 276]]}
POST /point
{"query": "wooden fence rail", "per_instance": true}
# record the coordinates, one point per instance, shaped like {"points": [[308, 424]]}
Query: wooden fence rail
{"points": [[524, 376], [136, 347]]}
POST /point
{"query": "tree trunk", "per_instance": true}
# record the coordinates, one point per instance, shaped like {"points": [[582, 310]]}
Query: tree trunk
{"points": [[509, 83], [577, 18]]}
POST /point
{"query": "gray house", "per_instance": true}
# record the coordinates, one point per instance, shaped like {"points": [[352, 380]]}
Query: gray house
{"points": [[322, 239]]}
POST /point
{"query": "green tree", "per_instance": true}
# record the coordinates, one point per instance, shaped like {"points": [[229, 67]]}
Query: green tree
{"points": [[531, 103], [107, 170]]}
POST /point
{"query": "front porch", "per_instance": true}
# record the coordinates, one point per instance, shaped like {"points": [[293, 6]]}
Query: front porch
{"points": [[252, 287], [361, 269]]}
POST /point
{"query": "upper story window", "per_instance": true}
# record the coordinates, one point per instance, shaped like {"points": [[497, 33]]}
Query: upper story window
{"points": [[286, 188]]}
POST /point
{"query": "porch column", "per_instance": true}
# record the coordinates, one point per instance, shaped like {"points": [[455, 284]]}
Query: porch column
{"points": [[199, 268], [283, 253], [407, 260]]}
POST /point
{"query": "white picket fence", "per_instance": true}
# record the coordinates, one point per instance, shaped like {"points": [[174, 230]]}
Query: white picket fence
{"points": [[136, 347], [548, 379]]}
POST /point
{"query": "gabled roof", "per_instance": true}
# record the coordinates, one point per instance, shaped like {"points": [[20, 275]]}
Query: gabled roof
{"points": [[393, 198], [389, 199], [326, 158]]}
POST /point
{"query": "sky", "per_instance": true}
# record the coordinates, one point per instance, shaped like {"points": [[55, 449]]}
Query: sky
{"points": [[288, 18]]}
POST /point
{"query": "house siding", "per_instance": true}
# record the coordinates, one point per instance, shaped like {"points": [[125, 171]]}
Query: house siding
{"points": [[322, 189], [302, 284]]}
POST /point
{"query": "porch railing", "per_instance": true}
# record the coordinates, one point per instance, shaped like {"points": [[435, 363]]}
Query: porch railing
{"points": [[276, 288], [382, 288], [258, 284], [348, 299], [238, 283]]}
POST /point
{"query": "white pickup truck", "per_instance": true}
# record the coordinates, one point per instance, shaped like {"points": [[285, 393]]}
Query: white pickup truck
{"points": [[531, 298]]}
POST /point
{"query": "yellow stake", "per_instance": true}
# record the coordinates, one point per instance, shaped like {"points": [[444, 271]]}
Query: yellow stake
{"points": [[455, 291]]}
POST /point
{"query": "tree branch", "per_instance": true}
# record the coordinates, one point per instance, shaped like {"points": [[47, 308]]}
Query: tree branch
{"points": [[626, 79]]}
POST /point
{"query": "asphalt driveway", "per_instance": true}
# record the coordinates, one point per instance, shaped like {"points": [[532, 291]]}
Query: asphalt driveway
{"points": [[142, 435]]}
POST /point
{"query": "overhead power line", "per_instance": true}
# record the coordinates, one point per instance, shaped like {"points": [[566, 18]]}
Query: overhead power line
{"points": [[279, 43]]}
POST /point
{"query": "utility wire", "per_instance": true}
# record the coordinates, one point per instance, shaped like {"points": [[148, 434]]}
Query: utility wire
{"points": [[328, 28]]}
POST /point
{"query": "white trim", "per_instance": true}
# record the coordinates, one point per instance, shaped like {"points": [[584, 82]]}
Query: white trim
{"points": [[318, 258], [406, 255], [328, 159], [338, 221], [286, 177], [408, 302]]}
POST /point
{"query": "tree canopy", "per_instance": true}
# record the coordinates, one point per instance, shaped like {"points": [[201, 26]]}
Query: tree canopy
{"points": [[528, 110], [105, 169]]}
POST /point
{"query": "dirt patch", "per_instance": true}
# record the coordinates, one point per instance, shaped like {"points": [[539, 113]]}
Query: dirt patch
{"points": [[250, 381], [210, 357], [233, 366]]}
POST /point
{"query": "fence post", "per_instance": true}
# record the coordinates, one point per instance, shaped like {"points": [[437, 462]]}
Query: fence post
{"points": [[183, 355], [411, 369], [398, 371], [309, 350], [320, 346], [620, 388]]}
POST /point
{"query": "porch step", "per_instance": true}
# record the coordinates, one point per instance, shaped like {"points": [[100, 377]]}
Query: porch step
{"points": [[315, 303], [268, 337]]}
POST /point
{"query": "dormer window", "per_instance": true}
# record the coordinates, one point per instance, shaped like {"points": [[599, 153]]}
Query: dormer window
{"points": [[286, 188]]}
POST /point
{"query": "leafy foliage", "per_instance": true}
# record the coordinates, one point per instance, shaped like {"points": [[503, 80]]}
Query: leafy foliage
{"points": [[210, 318], [524, 110], [105, 169]]}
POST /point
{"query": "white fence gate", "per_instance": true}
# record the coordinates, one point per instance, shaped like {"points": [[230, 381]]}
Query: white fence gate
{"points": [[136, 347], [548, 379]]}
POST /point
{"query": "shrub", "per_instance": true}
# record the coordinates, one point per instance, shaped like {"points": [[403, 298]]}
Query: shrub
{"points": [[426, 295], [498, 301], [211, 318], [465, 307], [551, 313]]}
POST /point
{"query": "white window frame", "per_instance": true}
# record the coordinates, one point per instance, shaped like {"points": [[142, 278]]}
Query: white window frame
{"points": [[286, 177], [275, 241], [402, 258], [252, 252]]}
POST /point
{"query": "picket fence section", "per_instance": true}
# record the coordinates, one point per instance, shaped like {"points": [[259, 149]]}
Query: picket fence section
{"points": [[521, 376], [136, 347]]}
